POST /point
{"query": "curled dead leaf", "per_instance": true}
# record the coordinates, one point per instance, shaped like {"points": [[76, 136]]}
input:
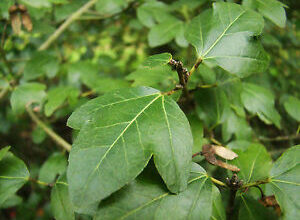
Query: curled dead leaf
{"points": [[26, 21], [15, 22], [210, 151]]}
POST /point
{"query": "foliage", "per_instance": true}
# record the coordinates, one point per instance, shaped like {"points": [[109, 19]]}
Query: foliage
{"points": [[185, 109]]}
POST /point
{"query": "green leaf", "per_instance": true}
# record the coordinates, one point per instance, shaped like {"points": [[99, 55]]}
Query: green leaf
{"points": [[251, 209], [160, 77], [108, 7], [260, 101], [218, 207], [61, 205], [285, 182], [225, 36], [3, 152], [38, 135], [271, 9], [12, 201], [147, 12], [157, 60], [25, 94], [119, 133], [13, 175], [164, 32], [255, 163], [41, 63], [292, 106], [236, 125], [57, 96], [212, 106], [197, 131], [146, 198], [54, 165]]}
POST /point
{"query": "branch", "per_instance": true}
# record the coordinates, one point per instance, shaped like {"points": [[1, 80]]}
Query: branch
{"points": [[280, 138], [198, 62], [59, 140], [66, 24]]}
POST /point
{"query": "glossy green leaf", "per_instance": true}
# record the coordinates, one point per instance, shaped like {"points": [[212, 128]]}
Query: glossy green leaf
{"points": [[164, 32], [251, 209], [259, 100], [218, 211], [57, 96], [54, 165], [255, 163], [13, 175], [12, 201], [197, 131], [157, 60], [60, 201], [41, 63], [292, 106], [146, 198], [225, 36], [119, 133], [25, 94], [285, 182]]}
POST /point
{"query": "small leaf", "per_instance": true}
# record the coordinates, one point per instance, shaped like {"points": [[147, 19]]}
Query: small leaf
{"points": [[292, 106], [285, 182], [260, 101], [25, 94], [255, 163], [157, 60], [146, 198], [57, 96], [61, 205], [225, 36], [119, 133], [3, 152], [108, 7], [164, 32], [41, 63], [54, 165], [224, 152], [13, 175]]}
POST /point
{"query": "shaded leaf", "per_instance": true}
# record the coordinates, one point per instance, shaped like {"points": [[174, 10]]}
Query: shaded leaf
{"points": [[225, 36], [3, 152], [25, 94], [61, 205], [54, 165], [119, 133], [292, 106], [260, 101]]}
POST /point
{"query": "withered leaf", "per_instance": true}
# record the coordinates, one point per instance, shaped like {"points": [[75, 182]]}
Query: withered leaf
{"points": [[15, 22], [209, 151], [26, 21], [270, 201], [224, 152]]}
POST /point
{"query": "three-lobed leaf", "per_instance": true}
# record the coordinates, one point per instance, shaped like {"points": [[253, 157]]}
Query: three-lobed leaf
{"points": [[119, 132], [226, 36]]}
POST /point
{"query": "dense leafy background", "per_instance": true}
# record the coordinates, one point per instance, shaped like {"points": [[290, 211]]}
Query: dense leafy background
{"points": [[245, 95]]}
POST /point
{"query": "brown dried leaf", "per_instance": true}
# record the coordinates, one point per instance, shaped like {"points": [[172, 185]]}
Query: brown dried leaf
{"points": [[270, 201], [224, 152], [15, 22], [208, 151], [26, 21]]}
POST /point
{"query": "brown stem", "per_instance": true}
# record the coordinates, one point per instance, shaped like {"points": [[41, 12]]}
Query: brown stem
{"points": [[234, 184]]}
